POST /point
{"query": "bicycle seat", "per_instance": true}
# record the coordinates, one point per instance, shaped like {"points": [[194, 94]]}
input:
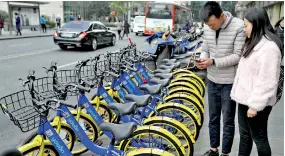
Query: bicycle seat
{"points": [[152, 89], [162, 66], [164, 75], [163, 82], [175, 64], [168, 60], [140, 100], [119, 131], [162, 71], [123, 109]]}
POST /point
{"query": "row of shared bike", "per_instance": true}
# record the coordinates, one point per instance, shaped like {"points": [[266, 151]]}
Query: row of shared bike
{"points": [[112, 97]]}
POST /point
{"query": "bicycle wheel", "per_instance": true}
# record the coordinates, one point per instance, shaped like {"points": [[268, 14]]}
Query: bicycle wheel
{"points": [[183, 114], [196, 85], [175, 85], [176, 128], [197, 79], [48, 150], [190, 92], [69, 136], [92, 131], [192, 103], [148, 152], [165, 141], [106, 114]]}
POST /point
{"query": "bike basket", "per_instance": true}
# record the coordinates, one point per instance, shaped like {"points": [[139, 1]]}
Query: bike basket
{"points": [[20, 109], [103, 66], [66, 77], [87, 71], [45, 88]]}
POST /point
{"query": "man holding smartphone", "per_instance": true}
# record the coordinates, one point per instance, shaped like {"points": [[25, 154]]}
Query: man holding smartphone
{"points": [[220, 53]]}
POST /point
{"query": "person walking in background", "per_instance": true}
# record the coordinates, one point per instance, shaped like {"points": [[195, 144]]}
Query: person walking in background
{"points": [[119, 28], [126, 29], [79, 17], [58, 21], [72, 18], [18, 24], [1, 24], [256, 81], [279, 29], [220, 53], [43, 24]]}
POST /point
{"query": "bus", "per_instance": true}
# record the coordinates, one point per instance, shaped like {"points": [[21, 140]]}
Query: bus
{"points": [[161, 16]]}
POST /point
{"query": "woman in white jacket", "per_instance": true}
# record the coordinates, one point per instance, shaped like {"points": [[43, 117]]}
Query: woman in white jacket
{"points": [[256, 81]]}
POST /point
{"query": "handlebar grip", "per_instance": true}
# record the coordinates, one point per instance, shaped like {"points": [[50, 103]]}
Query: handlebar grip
{"points": [[128, 63], [88, 83], [83, 88], [68, 105], [130, 68], [113, 74]]}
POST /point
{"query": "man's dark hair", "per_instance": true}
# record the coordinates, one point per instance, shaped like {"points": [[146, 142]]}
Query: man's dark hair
{"points": [[209, 9]]}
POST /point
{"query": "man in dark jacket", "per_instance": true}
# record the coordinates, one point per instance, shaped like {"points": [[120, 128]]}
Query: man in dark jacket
{"points": [[18, 24], [1, 24], [279, 29]]}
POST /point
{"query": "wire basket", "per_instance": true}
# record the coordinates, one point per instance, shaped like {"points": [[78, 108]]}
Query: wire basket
{"points": [[66, 77], [20, 109], [46, 88]]}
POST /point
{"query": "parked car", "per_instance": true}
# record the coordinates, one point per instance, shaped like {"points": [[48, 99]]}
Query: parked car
{"points": [[139, 24], [85, 34]]}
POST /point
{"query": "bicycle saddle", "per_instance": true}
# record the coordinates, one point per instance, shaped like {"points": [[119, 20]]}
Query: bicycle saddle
{"points": [[164, 75], [162, 71], [140, 100], [123, 108], [175, 64], [119, 131], [162, 66], [152, 89], [163, 82], [168, 60]]}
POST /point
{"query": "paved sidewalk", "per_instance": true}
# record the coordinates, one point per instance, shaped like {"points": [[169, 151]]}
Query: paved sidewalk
{"points": [[26, 33], [275, 133]]}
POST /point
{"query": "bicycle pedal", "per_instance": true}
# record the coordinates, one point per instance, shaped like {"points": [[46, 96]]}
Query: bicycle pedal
{"points": [[99, 142]]}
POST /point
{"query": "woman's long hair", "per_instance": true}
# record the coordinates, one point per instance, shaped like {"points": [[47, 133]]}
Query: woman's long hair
{"points": [[278, 23], [260, 27]]}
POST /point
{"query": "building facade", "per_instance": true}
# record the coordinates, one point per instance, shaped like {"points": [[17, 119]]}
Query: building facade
{"points": [[275, 9]]}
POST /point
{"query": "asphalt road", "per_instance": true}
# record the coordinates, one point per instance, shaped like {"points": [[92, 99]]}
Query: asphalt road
{"points": [[17, 57]]}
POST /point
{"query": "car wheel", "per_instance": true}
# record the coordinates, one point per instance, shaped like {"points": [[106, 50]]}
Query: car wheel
{"points": [[137, 34], [94, 44], [113, 42], [63, 47]]}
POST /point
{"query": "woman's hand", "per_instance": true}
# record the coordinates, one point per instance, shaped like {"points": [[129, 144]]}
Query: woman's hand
{"points": [[251, 113]]}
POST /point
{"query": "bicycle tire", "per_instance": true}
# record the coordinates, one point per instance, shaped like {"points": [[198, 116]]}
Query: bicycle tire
{"points": [[49, 147], [189, 102], [176, 84], [148, 152], [192, 82], [34, 134], [162, 120], [188, 112], [190, 92], [196, 79], [157, 131]]}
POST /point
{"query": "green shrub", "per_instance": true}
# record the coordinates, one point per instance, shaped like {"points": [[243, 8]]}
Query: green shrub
{"points": [[50, 24]]}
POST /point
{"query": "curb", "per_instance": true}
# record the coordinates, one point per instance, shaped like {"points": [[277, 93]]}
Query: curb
{"points": [[20, 37]]}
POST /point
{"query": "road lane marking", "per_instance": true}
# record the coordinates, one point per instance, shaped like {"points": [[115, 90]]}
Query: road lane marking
{"points": [[66, 65], [15, 45], [27, 54]]}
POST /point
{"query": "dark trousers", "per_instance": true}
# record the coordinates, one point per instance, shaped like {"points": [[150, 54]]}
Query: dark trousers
{"points": [[220, 101], [19, 31], [253, 129], [44, 27], [119, 33]]}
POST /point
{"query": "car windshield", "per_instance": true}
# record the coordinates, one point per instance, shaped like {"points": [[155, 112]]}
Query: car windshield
{"points": [[139, 20], [76, 25]]}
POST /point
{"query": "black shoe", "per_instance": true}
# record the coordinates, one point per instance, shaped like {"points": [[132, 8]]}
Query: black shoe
{"points": [[211, 153]]}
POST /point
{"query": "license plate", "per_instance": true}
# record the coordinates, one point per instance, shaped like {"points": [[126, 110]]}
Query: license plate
{"points": [[67, 35]]}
